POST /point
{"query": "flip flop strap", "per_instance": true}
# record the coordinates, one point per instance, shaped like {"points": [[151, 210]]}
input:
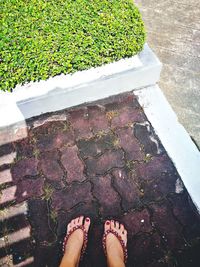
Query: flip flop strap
{"points": [[120, 240], [85, 238]]}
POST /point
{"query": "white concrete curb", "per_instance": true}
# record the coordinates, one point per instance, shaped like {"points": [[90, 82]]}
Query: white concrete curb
{"points": [[65, 91], [174, 138]]}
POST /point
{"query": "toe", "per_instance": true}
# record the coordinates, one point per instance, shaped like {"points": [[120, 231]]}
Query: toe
{"points": [[80, 220], [117, 225], [121, 228], [124, 236], [87, 223], [77, 221], [107, 225], [112, 225], [73, 222], [69, 227], [125, 233]]}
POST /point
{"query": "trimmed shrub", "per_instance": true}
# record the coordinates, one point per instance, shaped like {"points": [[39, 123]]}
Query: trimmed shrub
{"points": [[40, 39]]}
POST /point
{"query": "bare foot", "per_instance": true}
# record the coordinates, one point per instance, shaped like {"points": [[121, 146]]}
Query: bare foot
{"points": [[75, 242], [115, 254]]}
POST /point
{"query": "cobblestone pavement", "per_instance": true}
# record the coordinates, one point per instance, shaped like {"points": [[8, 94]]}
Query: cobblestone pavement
{"points": [[102, 160]]}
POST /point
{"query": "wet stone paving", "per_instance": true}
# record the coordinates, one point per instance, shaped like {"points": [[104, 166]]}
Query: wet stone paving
{"points": [[101, 160]]}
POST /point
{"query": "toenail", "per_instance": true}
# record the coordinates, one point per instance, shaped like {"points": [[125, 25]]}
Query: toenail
{"points": [[87, 219], [107, 223]]}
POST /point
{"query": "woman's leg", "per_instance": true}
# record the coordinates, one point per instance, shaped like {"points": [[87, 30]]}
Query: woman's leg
{"points": [[74, 244], [115, 255]]}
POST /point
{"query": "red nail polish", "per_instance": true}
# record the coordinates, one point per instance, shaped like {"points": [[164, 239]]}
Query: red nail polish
{"points": [[107, 223], [87, 219]]}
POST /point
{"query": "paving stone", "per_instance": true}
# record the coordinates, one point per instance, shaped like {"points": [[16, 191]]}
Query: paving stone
{"points": [[80, 123], [125, 116], [49, 166], [11, 134], [159, 263], [154, 168], [170, 229], [4, 261], [72, 164], [157, 189], [107, 161], [44, 127], [14, 210], [13, 230], [121, 101], [41, 222], [29, 189], [130, 144], [53, 141], [10, 226], [24, 148], [62, 218], [45, 142], [127, 189], [108, 198], [96, 146], [88, 209], [144, 249], [184, 209], [7, 160], [97, 119], [64, 138], [23, 168], [189, 257], [7, 154], [147, 138], [7, 195], [5, 176], [6, 149], [21, 233], [20, 252], [152, 177], [185, 212], [71, 196], [137, 221], [47, 256]]}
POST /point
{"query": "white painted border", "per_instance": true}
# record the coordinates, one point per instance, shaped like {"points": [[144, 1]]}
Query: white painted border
{"points": [[66, 91], [174, 138]]}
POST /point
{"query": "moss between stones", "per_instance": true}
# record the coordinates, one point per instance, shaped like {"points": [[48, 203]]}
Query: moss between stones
{"points": [[42, 38]]}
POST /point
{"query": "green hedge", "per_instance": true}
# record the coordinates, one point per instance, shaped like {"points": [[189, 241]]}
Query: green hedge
{"points": [[42, 38]]}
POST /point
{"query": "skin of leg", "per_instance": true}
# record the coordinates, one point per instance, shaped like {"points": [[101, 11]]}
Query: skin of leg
{"points": [[74, 244], [115, 256]]}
